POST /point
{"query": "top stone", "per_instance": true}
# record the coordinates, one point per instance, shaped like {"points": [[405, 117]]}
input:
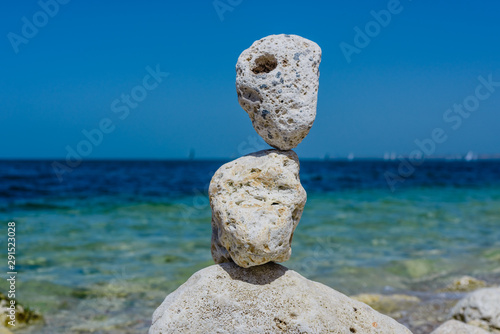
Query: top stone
{"points": [[277, 85]]}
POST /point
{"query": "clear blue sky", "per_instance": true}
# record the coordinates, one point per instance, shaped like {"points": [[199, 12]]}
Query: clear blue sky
{"points": [[395, 90]]}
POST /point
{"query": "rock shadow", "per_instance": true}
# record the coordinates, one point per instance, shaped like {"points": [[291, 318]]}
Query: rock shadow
{"points": [[258, 275]]}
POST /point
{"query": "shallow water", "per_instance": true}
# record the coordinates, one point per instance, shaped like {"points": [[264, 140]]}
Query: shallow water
{"points": [[99, 251]]}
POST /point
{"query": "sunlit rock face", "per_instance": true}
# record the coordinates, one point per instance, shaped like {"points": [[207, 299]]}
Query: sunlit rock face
{"points": [[277, 82], [270, 298], [257, 201]]}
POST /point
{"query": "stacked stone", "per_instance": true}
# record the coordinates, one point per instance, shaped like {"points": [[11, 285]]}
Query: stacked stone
{"points": [[257, 200]]}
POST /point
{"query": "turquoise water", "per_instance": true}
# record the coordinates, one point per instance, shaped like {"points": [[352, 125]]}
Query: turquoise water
{"points": [[100, 252]]}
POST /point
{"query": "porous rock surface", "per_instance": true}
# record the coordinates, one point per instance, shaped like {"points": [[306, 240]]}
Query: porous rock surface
{"points": [[457, 327], [264, 299], [277, 85], [257, 201], [481, 307]]}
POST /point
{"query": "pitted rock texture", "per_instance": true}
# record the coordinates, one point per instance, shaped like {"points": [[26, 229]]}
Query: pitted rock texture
{"points": [[257, 201], [264, 299], [277, 85]]}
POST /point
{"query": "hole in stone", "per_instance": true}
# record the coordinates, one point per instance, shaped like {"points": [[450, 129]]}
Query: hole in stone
{"points": [[249, 94], [352, 330], [265, 64]]}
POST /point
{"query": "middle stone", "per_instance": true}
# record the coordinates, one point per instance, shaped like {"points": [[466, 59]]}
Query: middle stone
{"points": [[257, 201]]}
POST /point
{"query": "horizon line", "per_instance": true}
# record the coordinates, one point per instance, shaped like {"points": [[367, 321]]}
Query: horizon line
{"points": [[451, 157]]}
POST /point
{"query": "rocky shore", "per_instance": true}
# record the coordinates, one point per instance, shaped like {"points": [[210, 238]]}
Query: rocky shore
{"points": [[465, 305], [421, 309]]}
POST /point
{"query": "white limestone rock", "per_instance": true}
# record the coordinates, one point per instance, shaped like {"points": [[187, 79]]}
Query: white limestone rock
{"points": [[481, 308], [277, 85], [264, 299], [457, 327], [257, 201]]}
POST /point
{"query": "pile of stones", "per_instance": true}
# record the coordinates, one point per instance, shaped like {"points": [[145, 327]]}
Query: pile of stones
{"points": [[257, 202]]}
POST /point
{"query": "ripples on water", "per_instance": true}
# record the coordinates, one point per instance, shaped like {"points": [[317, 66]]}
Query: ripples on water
{"points": [[102, 248]]}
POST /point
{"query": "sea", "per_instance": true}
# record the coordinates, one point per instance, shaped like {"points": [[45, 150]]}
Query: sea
{"points": [[98, 250]]}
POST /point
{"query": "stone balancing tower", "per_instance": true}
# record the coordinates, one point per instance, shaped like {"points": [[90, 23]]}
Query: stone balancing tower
{"points": [[257, 202]]}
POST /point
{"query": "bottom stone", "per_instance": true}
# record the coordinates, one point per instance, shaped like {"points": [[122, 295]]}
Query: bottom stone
{"points": [[225, 298]]}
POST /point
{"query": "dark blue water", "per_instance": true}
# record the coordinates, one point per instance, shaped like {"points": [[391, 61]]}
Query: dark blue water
{"points": [[34, 182], [101, 249]]}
